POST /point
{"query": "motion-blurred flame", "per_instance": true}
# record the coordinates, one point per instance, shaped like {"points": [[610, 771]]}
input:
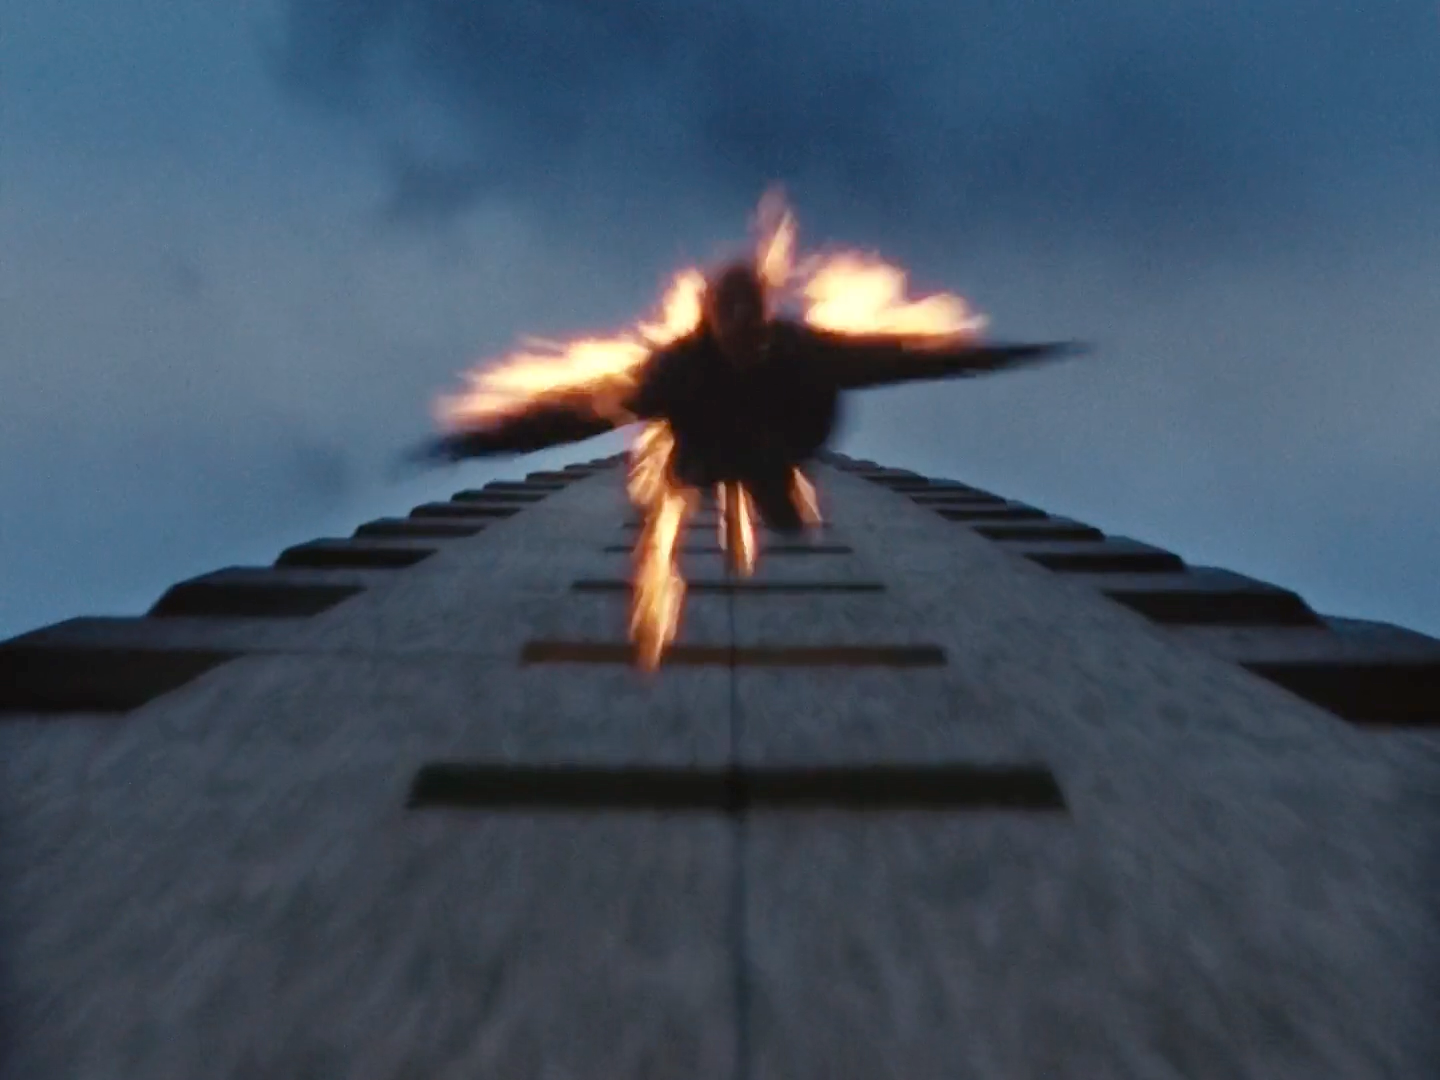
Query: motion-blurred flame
{"points": [[842, 292], [805, 499], [861, 294], [659, 589], [736, 520]]}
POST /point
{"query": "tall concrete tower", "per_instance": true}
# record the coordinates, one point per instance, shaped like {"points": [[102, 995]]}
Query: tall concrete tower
{"points": [[955, 789]]}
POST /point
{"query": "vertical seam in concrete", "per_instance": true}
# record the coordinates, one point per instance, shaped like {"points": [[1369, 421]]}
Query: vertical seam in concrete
{"points": [[739, 890]]}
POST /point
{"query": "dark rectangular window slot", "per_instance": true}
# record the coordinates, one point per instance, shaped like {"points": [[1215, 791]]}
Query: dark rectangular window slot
{"points": [[1235, 607], [349, 555], [615, 585], [52, 679], [501, 497], [418, 529], [463, 510], [520, 492], [878, 788], [765, 549], [1399, 693], [963, 506], [524, 487], [1101, 561], [771, 656], [999, 512], [942, 484], [960, 500], [249, 599], [1051, 529]]}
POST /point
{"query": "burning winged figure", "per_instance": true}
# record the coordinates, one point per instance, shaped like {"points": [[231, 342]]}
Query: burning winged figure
{"points": [[734, 396]]}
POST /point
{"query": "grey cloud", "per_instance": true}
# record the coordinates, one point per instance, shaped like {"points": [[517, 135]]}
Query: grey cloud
{"points": [[213, 346], [429, 190], [1113, 116], [187, 278], [189, 382], [316, 470]]}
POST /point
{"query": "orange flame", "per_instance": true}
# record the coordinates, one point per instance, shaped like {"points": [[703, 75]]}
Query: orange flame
{"points": [[858, 294], [593, 374], [805, 498], [737, 526], [842, 292]]}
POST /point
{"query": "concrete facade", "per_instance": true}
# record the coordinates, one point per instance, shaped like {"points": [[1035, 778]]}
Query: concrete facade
{"points": [[959, 790]]}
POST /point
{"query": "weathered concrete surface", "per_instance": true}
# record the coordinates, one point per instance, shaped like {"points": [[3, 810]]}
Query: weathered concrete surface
{"points": [[226, 883], [218, 912], [1242, 892], [839, 568]]}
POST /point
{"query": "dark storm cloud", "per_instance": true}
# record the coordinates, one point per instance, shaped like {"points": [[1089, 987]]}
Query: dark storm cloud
{"points": [[1115, 116]]}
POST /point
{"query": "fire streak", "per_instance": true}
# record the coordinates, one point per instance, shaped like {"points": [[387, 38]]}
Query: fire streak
{"points": [[843, 292]]}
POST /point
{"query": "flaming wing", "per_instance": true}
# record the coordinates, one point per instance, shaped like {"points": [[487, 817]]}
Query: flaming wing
{"points": [[866, 362], [540, 426], [540, 399], [555, 393]]}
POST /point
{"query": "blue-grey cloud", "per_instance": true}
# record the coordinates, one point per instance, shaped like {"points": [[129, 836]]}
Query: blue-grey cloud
{"points": [[219, 318], [1118, 117]]}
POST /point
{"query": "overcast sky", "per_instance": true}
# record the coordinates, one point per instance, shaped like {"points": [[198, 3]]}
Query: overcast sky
{"points": [[244, 245]]}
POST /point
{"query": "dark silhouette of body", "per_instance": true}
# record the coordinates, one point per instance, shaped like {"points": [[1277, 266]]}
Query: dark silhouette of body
{"points": [[748, 396]]}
